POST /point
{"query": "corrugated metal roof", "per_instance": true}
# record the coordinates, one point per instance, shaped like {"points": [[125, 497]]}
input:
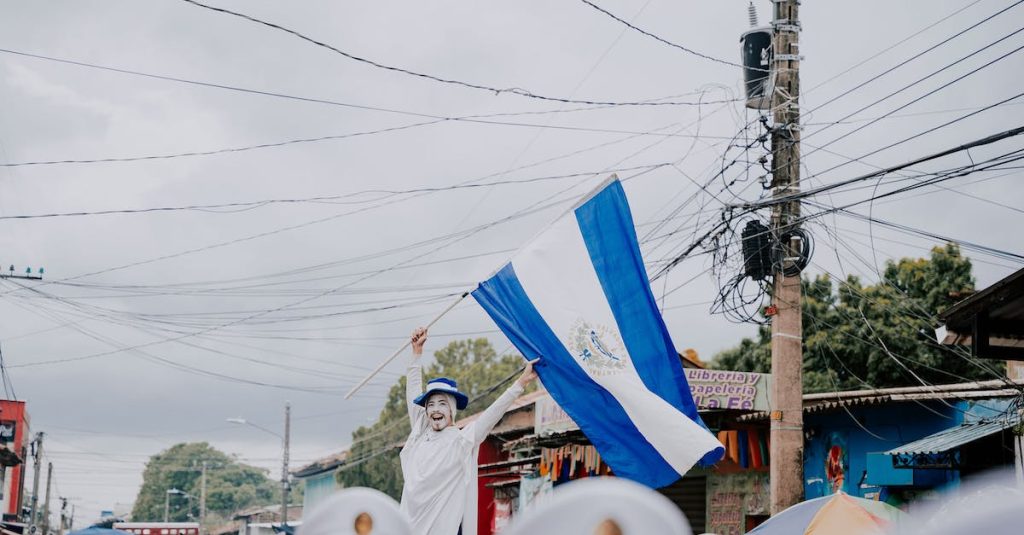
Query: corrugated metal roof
{"points": [[829, 401], [954, 437]]}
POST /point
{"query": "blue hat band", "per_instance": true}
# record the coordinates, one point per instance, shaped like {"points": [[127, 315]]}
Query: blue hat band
{"points": [[443, 386]]}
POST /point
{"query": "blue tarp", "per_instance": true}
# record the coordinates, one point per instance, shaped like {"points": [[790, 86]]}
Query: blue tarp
{"points": [[99, 531]]}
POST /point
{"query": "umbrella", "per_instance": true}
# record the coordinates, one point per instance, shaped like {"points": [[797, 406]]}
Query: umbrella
{"points": [[840, 514], [99, 531]]}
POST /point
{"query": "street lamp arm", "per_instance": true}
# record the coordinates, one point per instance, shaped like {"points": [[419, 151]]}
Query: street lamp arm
{"points": [[243, 421]]}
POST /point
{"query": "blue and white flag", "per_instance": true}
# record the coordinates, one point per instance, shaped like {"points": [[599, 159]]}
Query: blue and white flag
{"points": [[578, 295]]}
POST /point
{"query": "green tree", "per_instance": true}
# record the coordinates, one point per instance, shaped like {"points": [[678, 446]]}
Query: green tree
{"points": [[882, 335], [230, 485], [373, 459]]}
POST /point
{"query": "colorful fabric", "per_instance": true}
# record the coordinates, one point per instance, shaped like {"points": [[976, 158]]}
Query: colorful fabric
{"points": [[754, 445], [744, 448]]}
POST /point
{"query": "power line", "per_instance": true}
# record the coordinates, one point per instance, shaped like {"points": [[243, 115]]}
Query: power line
{"points": [[916, 56], [900, 42], [248, 205], [222, 151], [882, 172], [665, 41], [922, 97], [927, 50], [497, 91], [261, 146]]}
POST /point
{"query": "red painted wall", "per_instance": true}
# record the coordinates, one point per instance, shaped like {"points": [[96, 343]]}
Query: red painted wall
{"points": [[490, 452], [14, 411]]}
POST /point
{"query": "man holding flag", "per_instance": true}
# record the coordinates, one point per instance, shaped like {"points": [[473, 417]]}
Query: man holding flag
{"points": [[579, 295], [439, 461]]}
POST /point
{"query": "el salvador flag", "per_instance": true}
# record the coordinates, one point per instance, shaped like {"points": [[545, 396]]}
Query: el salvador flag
{"points": [[578, 295]]}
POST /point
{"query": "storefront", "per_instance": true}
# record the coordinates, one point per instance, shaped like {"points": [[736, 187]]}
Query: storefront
{"points": [[557, 452]]}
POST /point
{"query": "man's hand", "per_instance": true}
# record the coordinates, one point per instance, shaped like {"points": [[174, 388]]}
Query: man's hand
{"points": [[419, 337], [529, 375]]}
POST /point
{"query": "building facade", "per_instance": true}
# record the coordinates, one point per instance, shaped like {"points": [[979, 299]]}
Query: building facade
{"points": [[14, 445]]}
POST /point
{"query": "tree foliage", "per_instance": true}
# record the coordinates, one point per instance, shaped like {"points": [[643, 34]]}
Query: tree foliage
{"points": [[882, 335], [230, 485], [373, 459]]}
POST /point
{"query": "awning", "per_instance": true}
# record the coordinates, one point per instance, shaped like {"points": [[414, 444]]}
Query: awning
{"points": [[939, 450]]}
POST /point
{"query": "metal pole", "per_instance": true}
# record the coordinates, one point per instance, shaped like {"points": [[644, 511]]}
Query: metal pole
{"points": [[202, 501], [21, 486], [37, 465], [786, 469], [46, 505], [167, 504], [63, 515], [285, 488]]}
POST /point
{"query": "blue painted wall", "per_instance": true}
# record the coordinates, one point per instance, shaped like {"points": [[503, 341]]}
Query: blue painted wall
{"points": [[318, 488], [867, 430]]}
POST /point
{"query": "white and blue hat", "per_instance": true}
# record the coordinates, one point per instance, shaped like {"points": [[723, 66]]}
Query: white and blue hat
{"points": [[443, 385]]}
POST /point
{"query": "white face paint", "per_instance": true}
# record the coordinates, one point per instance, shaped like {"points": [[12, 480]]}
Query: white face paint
{"points": [[439, 412]]}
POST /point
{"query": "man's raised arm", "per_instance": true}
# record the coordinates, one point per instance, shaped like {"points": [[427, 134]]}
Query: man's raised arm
{"points": [[414, 375], [492, 415]]}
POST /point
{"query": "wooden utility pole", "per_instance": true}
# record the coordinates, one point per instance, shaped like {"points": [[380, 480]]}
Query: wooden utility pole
{"points": [[787, 438]]}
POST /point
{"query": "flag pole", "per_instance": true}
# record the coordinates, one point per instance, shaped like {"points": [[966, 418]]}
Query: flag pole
{"points": [[405, 345], [613, 177]]}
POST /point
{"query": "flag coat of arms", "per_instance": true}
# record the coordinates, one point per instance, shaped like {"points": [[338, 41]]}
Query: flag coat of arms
{"points": [[578, 296]]}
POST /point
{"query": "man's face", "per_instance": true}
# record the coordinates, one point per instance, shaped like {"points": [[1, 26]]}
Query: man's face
{"points": [[439, 412]]}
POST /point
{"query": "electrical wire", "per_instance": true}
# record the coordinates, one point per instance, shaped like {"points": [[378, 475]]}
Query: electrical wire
{"points": [[497, 91], [665, 41]]}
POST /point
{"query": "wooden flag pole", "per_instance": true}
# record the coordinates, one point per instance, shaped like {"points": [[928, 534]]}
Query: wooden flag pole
{"points": [[399, 352]]}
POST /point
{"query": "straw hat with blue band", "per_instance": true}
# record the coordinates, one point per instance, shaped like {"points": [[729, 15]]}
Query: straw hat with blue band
{"points": [[443, 385]]}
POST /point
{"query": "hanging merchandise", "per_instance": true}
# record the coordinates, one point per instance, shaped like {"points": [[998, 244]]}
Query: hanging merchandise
{"points": [[571, 462], [746, 448]]}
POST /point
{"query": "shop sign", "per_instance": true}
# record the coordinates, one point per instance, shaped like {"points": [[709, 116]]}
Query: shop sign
{"points": [[711, 389], [733, 497], [6, 432], [720, 389]]}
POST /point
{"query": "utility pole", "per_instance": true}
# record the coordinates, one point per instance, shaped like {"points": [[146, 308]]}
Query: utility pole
{"points": [[787, 439], [63, 515], [37, 453], [202, 500], [21, 486], [46, 505], [285, 487]]}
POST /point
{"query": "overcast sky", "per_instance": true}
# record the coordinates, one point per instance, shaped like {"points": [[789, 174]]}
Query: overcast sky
{"points": [[231, 311]]}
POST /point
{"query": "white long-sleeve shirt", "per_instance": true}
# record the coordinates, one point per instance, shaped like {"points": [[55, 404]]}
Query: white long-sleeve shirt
{"points": [[440, 467]]}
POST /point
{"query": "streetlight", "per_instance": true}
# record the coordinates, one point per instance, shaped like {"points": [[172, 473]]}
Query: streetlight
{"points": [[167, 501], [285, 487]]}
